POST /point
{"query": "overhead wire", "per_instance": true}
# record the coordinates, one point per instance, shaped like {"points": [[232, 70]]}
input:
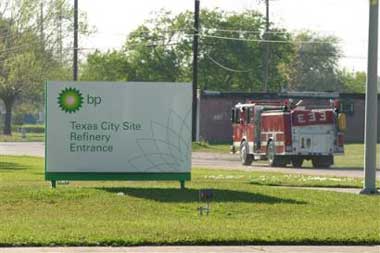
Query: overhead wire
{"points": [[243, 31], [156, 43], [225, 67], [265, 41], [132, 46]]}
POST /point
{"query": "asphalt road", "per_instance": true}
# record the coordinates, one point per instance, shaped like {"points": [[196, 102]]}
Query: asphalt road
{"points": [[213, 160], [202, 249], [200, 159]]}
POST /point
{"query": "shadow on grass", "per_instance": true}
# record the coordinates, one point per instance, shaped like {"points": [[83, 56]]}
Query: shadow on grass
{"points": [[6, 167], [192, 195]]}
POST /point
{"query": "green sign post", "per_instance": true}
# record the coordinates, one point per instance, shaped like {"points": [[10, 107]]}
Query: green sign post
{"points": [[118, 131]]}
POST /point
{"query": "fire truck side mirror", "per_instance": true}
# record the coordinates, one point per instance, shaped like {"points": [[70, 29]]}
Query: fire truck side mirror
{"points": [[233, 115], [335, 104]]}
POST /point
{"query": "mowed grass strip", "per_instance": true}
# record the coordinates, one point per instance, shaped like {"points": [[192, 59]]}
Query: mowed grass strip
{"points": [[278, 179], [212, 148], [18, 137], [354, 157], [157, 213], [299, 180]]}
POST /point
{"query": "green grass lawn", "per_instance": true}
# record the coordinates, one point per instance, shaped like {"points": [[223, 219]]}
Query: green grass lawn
{"points": [[214, 148], [353, 156], [17, 137], [93, 213]]}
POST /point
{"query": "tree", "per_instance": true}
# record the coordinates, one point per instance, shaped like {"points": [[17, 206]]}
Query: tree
{"points": [[21, 77], [353, 82], [109, 66], [160, 50], [28, 49], [231, 54], [18, 71], [315, 64]]}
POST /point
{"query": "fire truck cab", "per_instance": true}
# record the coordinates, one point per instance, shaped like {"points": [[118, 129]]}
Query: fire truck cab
{"points": [[284, 132]]}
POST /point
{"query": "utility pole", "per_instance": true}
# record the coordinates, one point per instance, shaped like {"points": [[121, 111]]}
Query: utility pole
{"points": [[266, 57], [75, 56], [195, 70], [42, 36], [371, 102], [60, 37]]}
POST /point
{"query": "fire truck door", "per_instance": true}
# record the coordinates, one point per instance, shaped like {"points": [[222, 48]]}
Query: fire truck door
{"points": [[236, 125]]}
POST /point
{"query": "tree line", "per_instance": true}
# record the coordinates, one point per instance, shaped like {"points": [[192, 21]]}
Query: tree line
{"points": [[231, 58], [36, 45], [33, 48]]}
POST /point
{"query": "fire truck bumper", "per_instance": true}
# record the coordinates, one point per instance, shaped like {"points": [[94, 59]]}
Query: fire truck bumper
{"points": [[311, 154]]}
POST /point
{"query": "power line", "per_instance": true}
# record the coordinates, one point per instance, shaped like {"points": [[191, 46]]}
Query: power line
{"points": [[266, 41], [132, 46], [188, 31], [227, 68], [243, 31], [258, 40], [236, 30]]}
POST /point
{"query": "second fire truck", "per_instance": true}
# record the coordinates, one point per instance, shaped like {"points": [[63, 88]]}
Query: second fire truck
{"points": [[284, 133]]}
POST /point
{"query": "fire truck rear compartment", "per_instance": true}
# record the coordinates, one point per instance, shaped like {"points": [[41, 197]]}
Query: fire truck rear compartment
{"points": [[313, 140]]}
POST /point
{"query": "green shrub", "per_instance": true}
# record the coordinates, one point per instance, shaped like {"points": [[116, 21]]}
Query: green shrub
{"points": [[38, 129]]}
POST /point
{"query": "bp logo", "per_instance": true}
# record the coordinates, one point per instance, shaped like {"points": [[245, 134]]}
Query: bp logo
{"points": [[70, 100]]}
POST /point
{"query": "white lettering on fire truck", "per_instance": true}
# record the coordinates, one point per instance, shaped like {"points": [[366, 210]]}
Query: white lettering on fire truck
{"points": [[300, 118], [322, 116], [312, 117]]}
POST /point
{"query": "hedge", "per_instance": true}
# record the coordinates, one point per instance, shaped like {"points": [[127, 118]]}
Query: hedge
{"points": [[38, 129]]}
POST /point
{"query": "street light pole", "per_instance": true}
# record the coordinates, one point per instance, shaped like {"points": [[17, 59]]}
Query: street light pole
{"points": [[195, 69], [371, 102], [75, 56]]}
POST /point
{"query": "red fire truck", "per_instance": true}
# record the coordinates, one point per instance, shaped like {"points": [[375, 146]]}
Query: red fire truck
{"points": [[284, 132]]}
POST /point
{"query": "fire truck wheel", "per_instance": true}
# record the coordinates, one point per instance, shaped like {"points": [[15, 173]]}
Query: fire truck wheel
{"points": [[245, 157], [297, 162], [273, 159], [321, 162]]}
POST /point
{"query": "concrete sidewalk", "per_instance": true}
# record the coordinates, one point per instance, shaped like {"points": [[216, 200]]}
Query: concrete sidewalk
{"points": [[22, 148], [201, 249]]}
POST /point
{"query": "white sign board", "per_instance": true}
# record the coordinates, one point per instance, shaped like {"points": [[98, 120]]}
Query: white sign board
{"points": [[97, 128]]}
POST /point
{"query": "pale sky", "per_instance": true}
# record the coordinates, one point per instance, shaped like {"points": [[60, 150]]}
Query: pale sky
{"points": [[346, 19]]}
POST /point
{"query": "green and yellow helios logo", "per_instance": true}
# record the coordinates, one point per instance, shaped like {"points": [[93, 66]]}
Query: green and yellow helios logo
{"points": [[70, 100]]}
